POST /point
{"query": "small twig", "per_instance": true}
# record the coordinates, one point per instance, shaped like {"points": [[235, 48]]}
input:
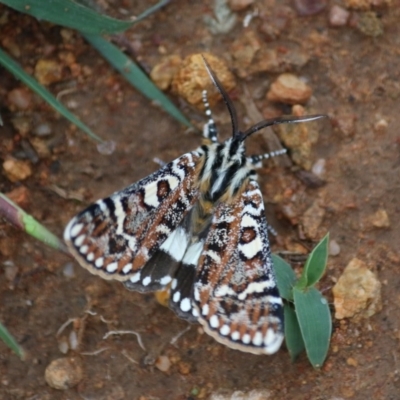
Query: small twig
{"points": [[106, 321], [94, 353], [175, 338], [65, 324], [139, 338], [123, 352], [62, 93]]}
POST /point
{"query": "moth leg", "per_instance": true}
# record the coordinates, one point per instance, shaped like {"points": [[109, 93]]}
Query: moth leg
{"points": [[209, 130]]}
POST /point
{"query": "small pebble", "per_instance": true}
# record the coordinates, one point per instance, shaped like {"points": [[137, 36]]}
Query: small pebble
{"points": [[369, 24], [319, 167], [17, 170], [22, 124], [338, 16], [68, 270], [73, 340], [164, 71], [289, 89], [357, 292], [352, 362], [366, 4], [20, 98], [239, 5], [255, 394], [10, 270], [43, 129], [312, 219], [63, 345], [309, 7], [163, 363], [346, 123], [48, 71], [380, 219], [106, 148], [20, 196], [64, 373], [184, 368], [334, 248], [381, 126]]}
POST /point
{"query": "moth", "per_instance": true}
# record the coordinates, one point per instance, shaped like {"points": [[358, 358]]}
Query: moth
{"points": [[196, 226]]}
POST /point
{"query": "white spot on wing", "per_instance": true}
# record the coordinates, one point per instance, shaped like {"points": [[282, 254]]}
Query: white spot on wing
{"points": [[246, 338], [214, 322], [176, 297], [259, 287], [99, 262], [205, 310], [112, 267], [224, 330], [174, 284], [135, 278], [79, 240], [272, 341], [165, 280], [150, 194], [75, 230], [90, 257], [257, 339], [186, 305], [235, 335], [84, 249], [127, 268], [146, 281]]}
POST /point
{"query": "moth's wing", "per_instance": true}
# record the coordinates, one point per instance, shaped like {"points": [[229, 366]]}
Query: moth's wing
{"points": [[235, 290], [116, 237]]}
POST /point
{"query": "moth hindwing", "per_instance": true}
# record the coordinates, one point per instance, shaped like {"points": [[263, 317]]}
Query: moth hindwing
{"points": [[196, 226]]}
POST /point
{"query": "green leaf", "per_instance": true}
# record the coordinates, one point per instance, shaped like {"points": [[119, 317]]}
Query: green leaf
{"points": [[285, 277], [9, 340], [134, 75], [294, 340], [315, 323], [70, 14], [19, 73], [315, 265], [19, 218]]}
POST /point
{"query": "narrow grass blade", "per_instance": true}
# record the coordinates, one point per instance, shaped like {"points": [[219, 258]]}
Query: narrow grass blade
{"points": [[134, 75], [151, 10], [315, 264], [285, 277], [294, 340], [19, 218], [315, 323], [70, 14], [9, 64], [9, 340]]}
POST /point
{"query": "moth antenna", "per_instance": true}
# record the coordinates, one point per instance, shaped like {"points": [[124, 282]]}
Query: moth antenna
{"points": [[224, 94], [280, 120]]}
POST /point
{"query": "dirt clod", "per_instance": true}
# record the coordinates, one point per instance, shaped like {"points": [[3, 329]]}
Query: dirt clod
{"points": [[17, 170], [192, 78], [163, 363], [64, 373], [289, 89], [357, 292]]}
